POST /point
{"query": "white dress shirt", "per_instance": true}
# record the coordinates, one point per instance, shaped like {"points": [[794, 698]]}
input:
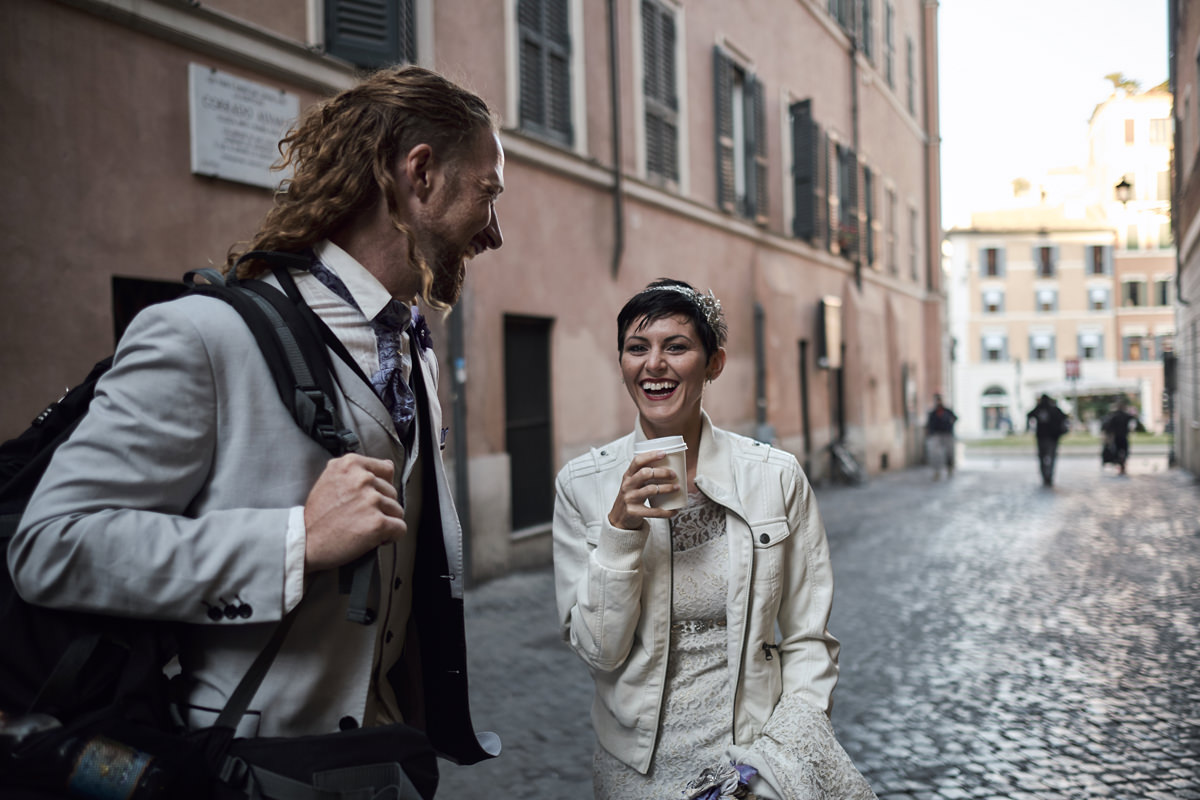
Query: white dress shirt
{"points": [[353, 329]]}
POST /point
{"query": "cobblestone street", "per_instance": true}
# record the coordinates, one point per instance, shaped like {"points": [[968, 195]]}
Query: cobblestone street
{"points": [[999, 640]]}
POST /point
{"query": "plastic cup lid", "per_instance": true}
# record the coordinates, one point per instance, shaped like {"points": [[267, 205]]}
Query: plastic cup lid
{"points": [[667, 444]]}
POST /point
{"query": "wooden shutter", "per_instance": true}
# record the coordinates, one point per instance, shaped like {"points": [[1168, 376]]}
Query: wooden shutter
{"points": [[865, 33], [756, 152], [558, 72], [407, 17], [651, 91], [371, 33], [850, 201], [869, 215], [658, 89], [805, 138], [545, 82], [723, 115], [825, 194], [533, 79]]}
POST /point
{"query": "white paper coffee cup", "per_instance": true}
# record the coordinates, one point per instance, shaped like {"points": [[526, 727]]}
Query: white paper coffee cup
{"points": [[675, 450]]}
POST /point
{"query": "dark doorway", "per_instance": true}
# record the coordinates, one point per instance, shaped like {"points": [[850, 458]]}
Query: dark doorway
{"points": [[131, 295], [528, 435]]}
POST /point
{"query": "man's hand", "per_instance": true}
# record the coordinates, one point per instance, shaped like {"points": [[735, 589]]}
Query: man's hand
{"points": [[352, 509]]}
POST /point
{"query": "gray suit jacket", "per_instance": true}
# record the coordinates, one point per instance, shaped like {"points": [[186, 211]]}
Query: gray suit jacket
{"points": [[173, 496]]}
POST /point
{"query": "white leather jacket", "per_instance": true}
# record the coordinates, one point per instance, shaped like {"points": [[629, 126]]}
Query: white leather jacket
{"points": [[614, 588]]}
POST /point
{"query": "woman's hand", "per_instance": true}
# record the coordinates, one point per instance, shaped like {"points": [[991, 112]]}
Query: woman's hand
{"points": [[643, 480]]}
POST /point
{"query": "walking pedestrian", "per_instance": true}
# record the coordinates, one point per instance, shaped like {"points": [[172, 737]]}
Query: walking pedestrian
{"points": [[675, 611], [939, 438], [188, 488], [1050, 424], [1116, 427]]}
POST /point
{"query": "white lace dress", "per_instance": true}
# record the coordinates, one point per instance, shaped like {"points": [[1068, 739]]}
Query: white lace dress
{"points": [[697, 711]]}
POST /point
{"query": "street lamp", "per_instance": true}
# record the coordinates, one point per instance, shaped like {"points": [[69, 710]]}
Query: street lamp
{"points": [[1124, 191]]}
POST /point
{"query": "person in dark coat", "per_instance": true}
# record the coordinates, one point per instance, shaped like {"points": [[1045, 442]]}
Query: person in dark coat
{"points": [[939, 434], [1049, 423], [1116, 427]]}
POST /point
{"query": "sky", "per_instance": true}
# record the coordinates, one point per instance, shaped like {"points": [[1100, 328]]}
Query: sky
{"points": [[1019, 80]]}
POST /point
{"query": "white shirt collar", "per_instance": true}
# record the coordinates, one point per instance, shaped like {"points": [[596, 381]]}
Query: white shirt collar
{"points": [[365, 288]]}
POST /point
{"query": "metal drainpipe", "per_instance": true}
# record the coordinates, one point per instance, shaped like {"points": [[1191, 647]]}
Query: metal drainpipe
{"points": [[854, 135], [615, 99], [933, 249], [761, 431]]}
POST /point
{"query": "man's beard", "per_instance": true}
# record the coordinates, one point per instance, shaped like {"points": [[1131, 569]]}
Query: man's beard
{"points": [[449, 274]]}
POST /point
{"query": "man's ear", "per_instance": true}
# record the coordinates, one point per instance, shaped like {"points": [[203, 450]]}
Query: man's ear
{"points": [[417, 169]]}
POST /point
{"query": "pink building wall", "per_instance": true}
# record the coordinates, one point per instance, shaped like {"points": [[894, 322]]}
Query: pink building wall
{"points": [[97, 165]]}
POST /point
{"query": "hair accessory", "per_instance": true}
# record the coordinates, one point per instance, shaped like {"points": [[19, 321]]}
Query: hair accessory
{"points": [[708, 304]]}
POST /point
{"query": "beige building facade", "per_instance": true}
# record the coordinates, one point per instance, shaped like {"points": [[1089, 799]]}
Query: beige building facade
{"points": [[1068, 289], [1031, 293], [781, 152]]}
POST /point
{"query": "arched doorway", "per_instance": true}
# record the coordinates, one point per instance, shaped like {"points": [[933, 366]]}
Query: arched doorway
{"points": [[994, 404]]}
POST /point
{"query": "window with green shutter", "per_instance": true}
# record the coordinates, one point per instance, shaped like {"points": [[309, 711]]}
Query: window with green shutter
{"points": [[545, 54], [911, 62], [843, 12], [805, 195], [1045, 260], [889, 44], [826, 169], [659, 91], [1098, 259], [893, 237], [991, 262], [1090, 345], [869, 213], [371, 33], [1041, 346], [741, 145], [866, 33], [847, 189]]}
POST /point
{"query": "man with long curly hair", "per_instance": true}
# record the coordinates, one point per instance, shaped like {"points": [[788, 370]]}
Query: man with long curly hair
{"points": [[189, 493]]}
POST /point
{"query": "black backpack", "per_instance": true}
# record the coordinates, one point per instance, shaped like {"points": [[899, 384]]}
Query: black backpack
{"points": [[84, 700]]}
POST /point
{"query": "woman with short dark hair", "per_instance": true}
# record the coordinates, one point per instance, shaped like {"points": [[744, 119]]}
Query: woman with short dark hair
{"points": [[704, 627]]}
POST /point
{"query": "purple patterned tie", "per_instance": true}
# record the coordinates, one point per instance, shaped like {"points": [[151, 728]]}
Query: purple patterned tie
{"points": [[388, 325]]}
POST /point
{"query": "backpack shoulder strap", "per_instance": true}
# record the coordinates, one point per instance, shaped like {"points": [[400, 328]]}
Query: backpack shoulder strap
{"points": [[294, 340], [297, 359], [280, 264]]}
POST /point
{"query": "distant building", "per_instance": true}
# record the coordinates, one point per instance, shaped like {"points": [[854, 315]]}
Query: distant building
{"points": [[1184, 22], [1030, 289], [1129, 154], [1066, 289]]}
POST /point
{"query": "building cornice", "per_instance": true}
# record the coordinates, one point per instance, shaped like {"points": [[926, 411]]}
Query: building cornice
{"points": [[213, 33], [1043, 232]]}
